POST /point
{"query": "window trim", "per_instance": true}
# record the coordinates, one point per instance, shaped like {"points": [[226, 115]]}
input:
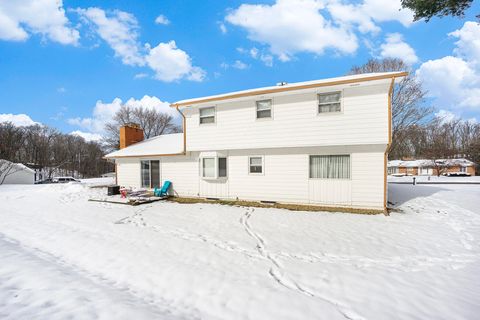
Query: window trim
{"points": [[200, 116], [271, 109], [330, 179], [150, 172], [330, 112], [263, 165], [216, 168]]}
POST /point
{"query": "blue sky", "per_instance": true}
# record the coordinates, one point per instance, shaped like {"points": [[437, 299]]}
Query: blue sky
{"points": [[71, 65]]}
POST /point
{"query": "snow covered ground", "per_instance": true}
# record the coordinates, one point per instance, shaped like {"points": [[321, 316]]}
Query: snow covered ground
{"points": [[62, 257]]}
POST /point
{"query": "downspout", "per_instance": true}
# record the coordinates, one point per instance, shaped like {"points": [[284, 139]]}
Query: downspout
{"points": [[184, 126], [389, 144]]}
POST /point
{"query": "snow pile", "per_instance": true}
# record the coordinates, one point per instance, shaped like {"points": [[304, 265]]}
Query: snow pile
{"points": [[65, 257]]}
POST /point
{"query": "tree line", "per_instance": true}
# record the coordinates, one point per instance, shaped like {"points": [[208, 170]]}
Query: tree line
{"points": [[417, 131], [58, 153]]}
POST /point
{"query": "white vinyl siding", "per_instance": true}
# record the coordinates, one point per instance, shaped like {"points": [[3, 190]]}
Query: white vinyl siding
{"points": [[329, 102], [286, 180], [363, 121], [207, 115], [264, 109], [330, 167]]}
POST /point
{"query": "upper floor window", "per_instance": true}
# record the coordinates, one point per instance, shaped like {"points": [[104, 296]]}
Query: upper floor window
{"points": [[329, 102], [207, 115], [330, 167], [264, 109]]}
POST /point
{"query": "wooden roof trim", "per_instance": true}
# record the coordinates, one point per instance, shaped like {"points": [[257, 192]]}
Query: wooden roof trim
{"points": [[293, 88], [148, 155]]}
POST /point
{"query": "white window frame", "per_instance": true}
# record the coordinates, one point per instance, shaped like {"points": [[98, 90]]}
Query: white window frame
{"points": [[343, 154], [325, 103], [214, 116], [271, 109], [150, 172], [216, 168], [263, 165]]}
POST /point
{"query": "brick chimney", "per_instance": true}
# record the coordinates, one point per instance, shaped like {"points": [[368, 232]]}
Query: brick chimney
{"points": [[130, 133]]}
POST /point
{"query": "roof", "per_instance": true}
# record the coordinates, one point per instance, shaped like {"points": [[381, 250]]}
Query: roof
{"points": [[429, 163], [165, 144], [19, 166], [294, 86]]}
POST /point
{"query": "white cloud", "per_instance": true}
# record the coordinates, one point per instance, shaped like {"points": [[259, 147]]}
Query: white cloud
{"points": [[19, 19], [267, 59], [395, 47], [19, 120], [257, 54], [171, 63], [223, 28], [468, 44], [454, 81], [239, 65], [104, 112], [446, 116], [290, 26], [253, 53], [119, 30], [161, 19], [87, 135], [140, 76]]}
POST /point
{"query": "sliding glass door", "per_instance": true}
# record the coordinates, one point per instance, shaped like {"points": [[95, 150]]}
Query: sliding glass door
{"points": [[155, 174], [150, 171]]}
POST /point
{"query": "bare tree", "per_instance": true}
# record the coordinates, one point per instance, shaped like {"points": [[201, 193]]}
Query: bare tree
{"points": [[7, 168], [408, 101], [55, 152], [152, 122]]}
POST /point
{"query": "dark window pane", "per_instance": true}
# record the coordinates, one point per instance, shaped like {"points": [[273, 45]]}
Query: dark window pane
{"points": [[207, 119], [155, 173], [222, 167], [264, 114]]}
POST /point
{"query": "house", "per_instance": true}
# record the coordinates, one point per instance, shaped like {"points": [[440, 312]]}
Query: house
{"points": [[15, 173], [426, 167], [322, 142]]}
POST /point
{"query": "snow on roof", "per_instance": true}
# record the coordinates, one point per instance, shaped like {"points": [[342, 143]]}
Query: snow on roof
{"points": [[429, 163], [299, 85], [163, 144], [19, 166]]}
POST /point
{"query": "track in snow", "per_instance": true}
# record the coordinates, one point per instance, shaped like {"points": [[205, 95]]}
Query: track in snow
{"points": [[277, 272]]}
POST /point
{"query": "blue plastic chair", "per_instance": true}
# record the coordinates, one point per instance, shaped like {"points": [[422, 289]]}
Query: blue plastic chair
{"points": [[164, 191]]}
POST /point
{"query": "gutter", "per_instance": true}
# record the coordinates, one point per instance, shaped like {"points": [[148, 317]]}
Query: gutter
{"points": [[292, 88], [389, 144]]}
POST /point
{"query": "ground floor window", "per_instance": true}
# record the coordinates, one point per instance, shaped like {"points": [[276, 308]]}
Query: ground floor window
{"points": [[214, 167], [392, 170], [150, 171], [463, 169], [255, 165], [330, 167]]}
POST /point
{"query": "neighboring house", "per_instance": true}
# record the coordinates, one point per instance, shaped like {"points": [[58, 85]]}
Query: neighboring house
{"points": [[40, 172], [15, 173], [425, 167], [320, 142]]}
